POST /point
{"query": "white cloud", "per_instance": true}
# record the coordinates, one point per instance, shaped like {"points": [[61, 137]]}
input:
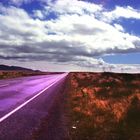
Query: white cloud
{"points": [[119, 27], [77, 36], [19, 2], [38, 14], [73, 7], [123, 12]]}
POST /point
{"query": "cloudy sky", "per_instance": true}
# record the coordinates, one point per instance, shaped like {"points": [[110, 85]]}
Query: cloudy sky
{"points": [[67, 35]]}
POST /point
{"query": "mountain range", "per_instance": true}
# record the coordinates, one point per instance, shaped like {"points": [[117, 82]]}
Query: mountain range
{"points": [[13, 68]]}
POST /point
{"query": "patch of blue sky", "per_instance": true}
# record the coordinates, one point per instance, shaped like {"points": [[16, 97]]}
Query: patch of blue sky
{"points": [[130, 25], [130, 58]]}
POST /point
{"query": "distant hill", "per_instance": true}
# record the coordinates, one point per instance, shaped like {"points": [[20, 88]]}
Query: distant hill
{"points": [[13, 68]]}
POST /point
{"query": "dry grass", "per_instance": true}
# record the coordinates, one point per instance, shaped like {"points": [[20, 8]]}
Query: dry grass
{"points": [[105, 106], [14, 74]]}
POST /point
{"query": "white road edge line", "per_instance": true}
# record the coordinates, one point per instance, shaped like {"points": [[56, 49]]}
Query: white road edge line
{"points": [[22, 105], [4, 85]]}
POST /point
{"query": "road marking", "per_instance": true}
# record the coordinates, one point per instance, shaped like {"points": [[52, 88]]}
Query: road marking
{"points": [[22, 105], [4, 85]]}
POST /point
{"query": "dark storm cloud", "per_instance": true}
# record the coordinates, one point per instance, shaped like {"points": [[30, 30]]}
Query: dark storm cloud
{"points": [[59, 51]]}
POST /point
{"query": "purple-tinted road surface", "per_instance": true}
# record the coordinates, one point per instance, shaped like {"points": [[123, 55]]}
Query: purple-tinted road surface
{"points": [[20, 97]]}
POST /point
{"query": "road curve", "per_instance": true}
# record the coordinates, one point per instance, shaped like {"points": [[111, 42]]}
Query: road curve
{"points": [[25, 101]]}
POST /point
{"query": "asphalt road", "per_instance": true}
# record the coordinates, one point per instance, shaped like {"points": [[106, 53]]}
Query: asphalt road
{"points": [[25, 101]]}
